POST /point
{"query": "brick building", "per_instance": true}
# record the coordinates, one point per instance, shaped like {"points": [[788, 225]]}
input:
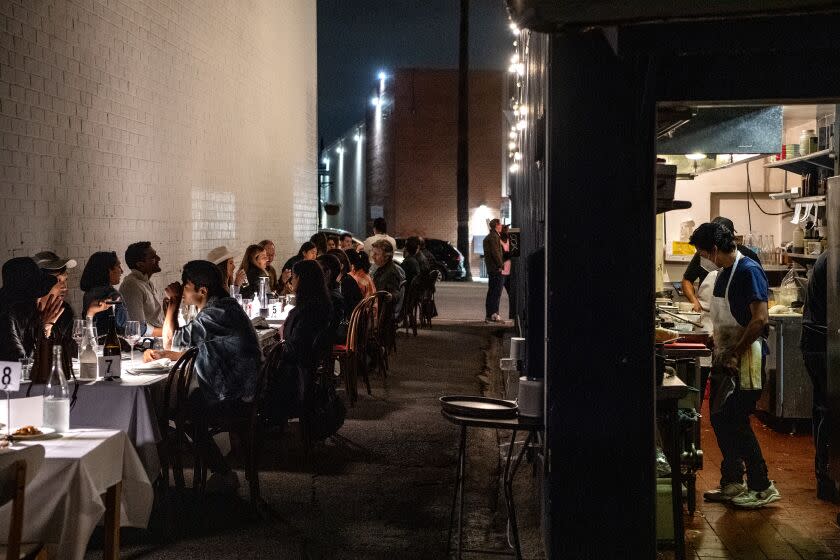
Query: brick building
{"points": [[410, 144], [187, 124]]}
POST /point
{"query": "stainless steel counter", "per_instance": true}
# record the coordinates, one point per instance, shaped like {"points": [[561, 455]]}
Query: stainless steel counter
{"points": [[787, 391]]}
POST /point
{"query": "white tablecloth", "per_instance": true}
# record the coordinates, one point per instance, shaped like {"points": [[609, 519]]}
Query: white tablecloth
{"points": [[128, 404], [64, 502]]}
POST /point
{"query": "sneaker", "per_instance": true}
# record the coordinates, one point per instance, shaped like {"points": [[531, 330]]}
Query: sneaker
{"points": [[496, 318], [218, 483], [725, 494], [752, 499]]}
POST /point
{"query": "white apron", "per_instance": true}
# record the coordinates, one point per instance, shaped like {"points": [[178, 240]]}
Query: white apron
{"points": [[704, 295], [727, 332]]}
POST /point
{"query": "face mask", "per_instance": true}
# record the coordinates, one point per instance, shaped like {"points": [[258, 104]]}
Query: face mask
{"points": [[709, 265]]}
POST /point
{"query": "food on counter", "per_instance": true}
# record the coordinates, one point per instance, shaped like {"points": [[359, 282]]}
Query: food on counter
{"points": [[665, 334], [27, 431]]}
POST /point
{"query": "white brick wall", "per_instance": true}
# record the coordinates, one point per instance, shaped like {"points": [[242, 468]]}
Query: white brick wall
{"points": [[188, 123]]}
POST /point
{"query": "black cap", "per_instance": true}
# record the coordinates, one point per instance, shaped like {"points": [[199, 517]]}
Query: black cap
{"points": [[725, 222], [48, 260]]}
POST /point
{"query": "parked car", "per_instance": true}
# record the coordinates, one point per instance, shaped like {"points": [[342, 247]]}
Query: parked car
{"points": [[450, 261]]}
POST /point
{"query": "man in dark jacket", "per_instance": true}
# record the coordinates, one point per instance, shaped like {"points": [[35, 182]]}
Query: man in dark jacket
{"points": [[494, 263]]}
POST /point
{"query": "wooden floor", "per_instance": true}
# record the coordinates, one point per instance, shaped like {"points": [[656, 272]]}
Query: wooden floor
{"points": [[799, 526]]}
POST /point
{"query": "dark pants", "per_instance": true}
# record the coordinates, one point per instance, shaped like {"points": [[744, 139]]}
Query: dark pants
{"points": [[737, 441], [494, 293], [202, 414], [814, 356]]}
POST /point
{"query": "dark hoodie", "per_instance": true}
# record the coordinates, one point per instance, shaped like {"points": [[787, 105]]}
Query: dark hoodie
{"points": [[20, 322]]}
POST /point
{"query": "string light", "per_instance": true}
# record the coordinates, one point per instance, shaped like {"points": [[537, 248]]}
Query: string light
{"points": [[517, 71]]}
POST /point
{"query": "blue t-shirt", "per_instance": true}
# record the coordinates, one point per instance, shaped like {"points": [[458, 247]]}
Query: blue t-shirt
{"points": [[748, 285]]}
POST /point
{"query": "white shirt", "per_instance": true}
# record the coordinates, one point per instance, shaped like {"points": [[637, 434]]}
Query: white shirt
{"points": [[376, 237], [141, 302]]}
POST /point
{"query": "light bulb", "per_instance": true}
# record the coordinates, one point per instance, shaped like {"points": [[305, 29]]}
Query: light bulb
{"points": [[512, 146], [374, 101], [695, 156], [521, 124], [514, 167]]}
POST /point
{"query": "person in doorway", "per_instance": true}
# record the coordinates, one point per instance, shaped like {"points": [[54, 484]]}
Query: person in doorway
{"points": [[504, 237], [380, 232], [494, 264], [702, 296], [739, 316], [813, 346], [138, 292]]}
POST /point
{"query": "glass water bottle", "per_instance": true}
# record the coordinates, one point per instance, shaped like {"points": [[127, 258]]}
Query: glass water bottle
{"points": [[57, 396]]}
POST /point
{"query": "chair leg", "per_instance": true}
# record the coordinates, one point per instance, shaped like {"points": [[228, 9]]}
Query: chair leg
{"points": [[361, 365], [349, 381], [251, 472], [177, 458]]}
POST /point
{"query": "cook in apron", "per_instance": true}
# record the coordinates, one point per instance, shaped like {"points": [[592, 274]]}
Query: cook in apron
{"points": [[727, 332]]}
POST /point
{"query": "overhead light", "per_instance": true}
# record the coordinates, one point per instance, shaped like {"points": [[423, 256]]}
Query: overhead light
{"points": [[514, 28], [520, 69], [517, 156], [375, 101], [514, 167], [512, 134], [382, 75], [523, 110], [339, 150], [515, 58], [695, 156]]}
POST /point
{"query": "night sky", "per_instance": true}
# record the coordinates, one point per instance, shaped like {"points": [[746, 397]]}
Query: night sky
{"points": [[358, 38]]}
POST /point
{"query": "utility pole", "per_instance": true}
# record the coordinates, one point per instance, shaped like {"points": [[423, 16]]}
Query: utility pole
{"points": [[463, 172]]}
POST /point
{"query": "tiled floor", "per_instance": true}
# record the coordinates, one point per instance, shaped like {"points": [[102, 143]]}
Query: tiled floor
{"points": [[799, 526]]}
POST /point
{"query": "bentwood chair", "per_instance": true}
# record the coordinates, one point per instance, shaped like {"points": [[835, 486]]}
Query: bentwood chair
{"points": [[16, 469], [174, 422], [427, 306], [382, 340], [351, 355]]}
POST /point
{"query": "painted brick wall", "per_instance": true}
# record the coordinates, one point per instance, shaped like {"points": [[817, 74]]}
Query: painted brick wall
{"points": [[188, 123], [425, 140]]}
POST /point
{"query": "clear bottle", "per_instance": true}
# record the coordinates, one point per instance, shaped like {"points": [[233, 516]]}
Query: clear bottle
{"points": [[758, 248], [770, 249], [57, 396], [88, 361], [263, 296]]}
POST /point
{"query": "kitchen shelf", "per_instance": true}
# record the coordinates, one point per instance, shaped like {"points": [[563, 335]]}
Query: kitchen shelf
{"points": [[803, 259], [803, 165]]}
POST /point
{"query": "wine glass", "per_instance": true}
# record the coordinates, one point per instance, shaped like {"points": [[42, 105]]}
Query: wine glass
{"points": [[78, 334], [132, 335]]}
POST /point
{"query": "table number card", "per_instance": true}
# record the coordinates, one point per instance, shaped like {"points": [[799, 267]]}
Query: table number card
{"points": [[275, 311], [9, 376], [109, 366]]}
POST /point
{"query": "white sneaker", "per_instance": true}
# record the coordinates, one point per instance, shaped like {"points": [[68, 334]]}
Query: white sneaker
{"points": [[754, 499], [497, 318], [725, 494], [227, 483]]}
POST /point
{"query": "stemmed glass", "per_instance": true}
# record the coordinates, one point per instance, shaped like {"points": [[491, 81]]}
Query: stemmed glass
{"points": [[78, 334], [132, 335]]}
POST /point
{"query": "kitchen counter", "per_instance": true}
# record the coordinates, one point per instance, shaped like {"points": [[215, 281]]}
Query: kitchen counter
{"points": [[787, 393]]}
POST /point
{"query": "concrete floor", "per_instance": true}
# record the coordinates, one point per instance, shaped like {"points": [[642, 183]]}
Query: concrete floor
{"points": [[382, 489]]}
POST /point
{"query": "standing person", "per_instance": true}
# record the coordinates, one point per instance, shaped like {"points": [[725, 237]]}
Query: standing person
{"points": [[270, 249], [701, 298], [138, 292], [739, 318], [504, 237], [224, 261], [495, 265], [253, 263], [380, 232], [102, 272], [226, 364], [813, 346]]}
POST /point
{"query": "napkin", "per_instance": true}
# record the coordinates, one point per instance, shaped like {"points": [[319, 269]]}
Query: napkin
{"points": [[155, 365]]}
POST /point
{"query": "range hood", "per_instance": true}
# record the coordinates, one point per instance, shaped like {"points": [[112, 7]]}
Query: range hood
{"points": [[701, 139]]}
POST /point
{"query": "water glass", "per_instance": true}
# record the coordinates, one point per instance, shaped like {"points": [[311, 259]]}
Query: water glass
{"points": [[132, 335], [25, 368], [78, 332]]}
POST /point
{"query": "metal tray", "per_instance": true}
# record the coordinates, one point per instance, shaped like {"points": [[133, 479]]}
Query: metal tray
{"points": [[479, 407]]}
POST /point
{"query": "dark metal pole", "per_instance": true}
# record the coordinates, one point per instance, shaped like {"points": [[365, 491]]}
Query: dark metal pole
{"points": [[463, 176]]}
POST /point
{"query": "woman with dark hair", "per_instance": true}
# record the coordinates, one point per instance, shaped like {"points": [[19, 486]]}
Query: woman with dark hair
{"points": [[227, 361], [332, 270], [307, 252], [253, 263], [101, 273], [306, 339], [320, 241], [350, 290], [28, 311], [359, 266]]}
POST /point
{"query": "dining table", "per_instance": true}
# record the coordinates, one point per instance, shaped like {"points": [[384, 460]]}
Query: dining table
{"points": [[87, 476]]}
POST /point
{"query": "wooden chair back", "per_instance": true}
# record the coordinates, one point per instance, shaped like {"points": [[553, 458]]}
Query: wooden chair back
{"points": [[14, 466]]}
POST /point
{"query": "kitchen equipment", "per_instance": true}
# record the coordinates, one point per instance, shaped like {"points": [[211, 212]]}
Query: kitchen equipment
{"points": [[531, 397], [785, 295], [684, 317], [685, 306]]}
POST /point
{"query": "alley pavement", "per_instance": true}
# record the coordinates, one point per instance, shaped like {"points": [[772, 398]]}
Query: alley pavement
{"points": [[381, 488]]}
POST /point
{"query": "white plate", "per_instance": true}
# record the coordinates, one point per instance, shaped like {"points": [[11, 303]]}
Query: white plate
{"points": [[45, 432], [148, 371]]}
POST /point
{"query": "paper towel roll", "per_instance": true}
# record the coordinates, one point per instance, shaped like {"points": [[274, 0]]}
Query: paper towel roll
{"points": [[517, 348], [530, 399]]}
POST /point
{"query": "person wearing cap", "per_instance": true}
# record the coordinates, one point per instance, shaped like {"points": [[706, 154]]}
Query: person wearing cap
{"points": [[28, 310], [224, 259], [50, 263], [138, 292]]}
